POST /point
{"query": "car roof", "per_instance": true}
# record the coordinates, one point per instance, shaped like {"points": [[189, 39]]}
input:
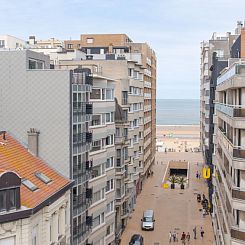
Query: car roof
{"points": [[136, 236]]}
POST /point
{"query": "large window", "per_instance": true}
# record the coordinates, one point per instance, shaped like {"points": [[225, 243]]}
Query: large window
{"points": [[96, 94], [8, 199], [102, 94], [36, 64]]}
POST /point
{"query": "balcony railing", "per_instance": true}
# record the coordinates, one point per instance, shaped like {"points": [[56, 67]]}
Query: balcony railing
{"points": [[231, 110], [82, 77], [238, 194], [235, 69], [83, 107], [235, 151], [238, 233]]}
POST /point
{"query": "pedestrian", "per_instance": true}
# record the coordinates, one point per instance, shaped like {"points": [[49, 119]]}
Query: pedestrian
{"points": [[195, 232], [183, 236], [197, 175], [152, 173], [203, 213], [170, 236], [202, 232], [174, 236], [188, 237], [177, 237]]}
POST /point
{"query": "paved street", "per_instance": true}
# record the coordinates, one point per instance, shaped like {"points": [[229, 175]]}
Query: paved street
{"points": [[174, 209]]}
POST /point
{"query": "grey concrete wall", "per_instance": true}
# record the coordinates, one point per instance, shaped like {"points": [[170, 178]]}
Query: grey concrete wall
{"points": [[37, 99]]}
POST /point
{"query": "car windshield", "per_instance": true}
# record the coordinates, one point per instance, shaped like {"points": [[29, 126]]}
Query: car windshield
{"points": [[137, 243], [147, 219]]}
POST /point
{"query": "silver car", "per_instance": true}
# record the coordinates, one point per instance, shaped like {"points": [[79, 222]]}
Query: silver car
{"points": [[147, 222]]}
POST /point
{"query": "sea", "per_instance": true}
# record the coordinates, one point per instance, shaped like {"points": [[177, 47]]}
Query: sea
{"points": [[178, 111]]}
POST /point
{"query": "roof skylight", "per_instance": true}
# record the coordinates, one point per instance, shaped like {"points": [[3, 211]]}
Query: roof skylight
{"points": [[43, 177], [29, 184]]}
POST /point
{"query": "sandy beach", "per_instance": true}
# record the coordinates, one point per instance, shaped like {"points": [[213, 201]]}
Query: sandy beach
{"points": [[178, 138]]}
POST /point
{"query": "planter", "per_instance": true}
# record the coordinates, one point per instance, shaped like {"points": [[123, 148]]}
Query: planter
{"points": [[172, 186], [182, 187]]}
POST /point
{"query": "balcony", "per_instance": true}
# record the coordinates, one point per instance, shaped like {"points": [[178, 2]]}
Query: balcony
{"points": [[237, 233], [235, 69], [89, 108], [234, 151], [79, 138], [82, 76], [89, 137], [231, 110], [238, 194]]}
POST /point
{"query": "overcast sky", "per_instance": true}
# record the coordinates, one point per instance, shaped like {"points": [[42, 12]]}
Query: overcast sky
{"points": [[173, 28]]}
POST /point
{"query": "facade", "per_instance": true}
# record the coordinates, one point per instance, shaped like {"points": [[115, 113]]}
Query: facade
{"points": [[56, 103], [34, 198], [128, 77], [228, 157], [214, 56], [122, 160], [9, 42], [45, 44], [121, 46], [103, 156]]}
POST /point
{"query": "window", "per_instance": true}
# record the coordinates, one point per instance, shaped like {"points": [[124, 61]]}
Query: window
{"points": [[3, 200], [96, 120], [124, 97], [90, 40], [8, 241], [110, 140], [34, 235], [96, 94], [96, 145], [43, 177], [110, 162], [109, 185], [117, 132], [2, 43], [96, 196], [109, 94], [12, 198], [110, 207], [108, 117], [35, 64], [69, 46], [29, 185]]}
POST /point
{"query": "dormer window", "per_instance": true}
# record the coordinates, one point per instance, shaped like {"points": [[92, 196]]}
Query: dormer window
{"points": [[27, 183], [43, 177], [9, 191]]}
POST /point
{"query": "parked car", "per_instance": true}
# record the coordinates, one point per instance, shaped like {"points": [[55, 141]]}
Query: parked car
{"points": [[147, 222], [136, 239]]}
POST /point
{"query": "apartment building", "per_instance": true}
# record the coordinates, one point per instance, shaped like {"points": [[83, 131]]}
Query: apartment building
{"points": [[120, 45], [128, 77], [214, 56], [103, 156], [229, 163], [45, 44], [56, 104], [34, 198], [9, 42]]}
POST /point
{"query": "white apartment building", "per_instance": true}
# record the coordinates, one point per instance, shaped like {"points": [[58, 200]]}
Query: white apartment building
{"points": [[9, 42]]}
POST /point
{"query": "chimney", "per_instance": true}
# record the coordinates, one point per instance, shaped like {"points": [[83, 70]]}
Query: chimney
{"points": [[110, 48], [239, 27], [32, 40], [33, 141]]}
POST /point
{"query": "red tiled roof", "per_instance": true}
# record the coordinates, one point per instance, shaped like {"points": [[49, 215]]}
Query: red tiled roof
{"points": [[15, 157]]}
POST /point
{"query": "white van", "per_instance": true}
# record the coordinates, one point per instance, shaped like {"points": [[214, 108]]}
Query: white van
{"points": [[147, 223]]}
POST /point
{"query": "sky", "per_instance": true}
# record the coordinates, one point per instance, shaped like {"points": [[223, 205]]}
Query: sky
{"points": [[173, 28]]}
